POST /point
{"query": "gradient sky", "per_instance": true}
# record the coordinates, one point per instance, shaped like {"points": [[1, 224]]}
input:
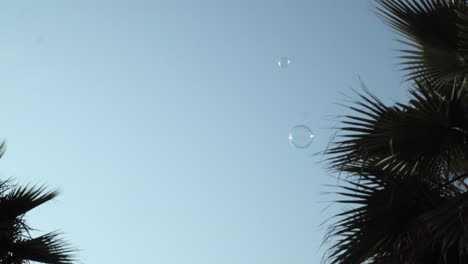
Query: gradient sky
{"points": [[165, 123]]}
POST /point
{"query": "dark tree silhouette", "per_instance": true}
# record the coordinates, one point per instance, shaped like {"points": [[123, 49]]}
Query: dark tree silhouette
{"points": [[16, 244], [406, 165]]}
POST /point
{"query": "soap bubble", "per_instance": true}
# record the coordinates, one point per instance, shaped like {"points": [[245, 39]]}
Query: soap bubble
{"points": [[284, 62], [300, 136]]}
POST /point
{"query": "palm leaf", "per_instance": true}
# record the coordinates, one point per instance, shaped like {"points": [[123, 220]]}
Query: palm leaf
{"points": [[16, 244], [435, 31], [398, 220], [22, 199], [430, 134], [48, 248]]}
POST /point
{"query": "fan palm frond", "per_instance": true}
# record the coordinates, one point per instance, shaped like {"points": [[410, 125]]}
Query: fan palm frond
{"points": [[48, 248], [17, 246], [396, 220], [429, 134], [22, 199], [436, 33]]}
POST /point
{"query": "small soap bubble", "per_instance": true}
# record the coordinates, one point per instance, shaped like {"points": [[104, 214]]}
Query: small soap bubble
{"points": [[300, 136], [284, 62]]}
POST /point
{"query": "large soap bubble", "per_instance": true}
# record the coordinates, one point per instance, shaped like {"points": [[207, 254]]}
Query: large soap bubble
{"points": [[300, 136]]}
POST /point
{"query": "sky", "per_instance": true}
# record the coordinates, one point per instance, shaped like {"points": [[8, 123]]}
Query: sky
{"points": [[165, 123]]}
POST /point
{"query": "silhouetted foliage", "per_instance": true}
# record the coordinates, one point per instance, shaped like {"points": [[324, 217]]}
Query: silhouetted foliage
{"points": [[16, 244], [406, 165]]}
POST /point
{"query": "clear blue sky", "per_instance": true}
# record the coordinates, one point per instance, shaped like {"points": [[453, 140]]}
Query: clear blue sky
{"points": [[165, 123]]}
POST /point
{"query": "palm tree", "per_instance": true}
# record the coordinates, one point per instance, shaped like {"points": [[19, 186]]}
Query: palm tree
{"points": [[406, 165], [16, 244], [436, 32]]}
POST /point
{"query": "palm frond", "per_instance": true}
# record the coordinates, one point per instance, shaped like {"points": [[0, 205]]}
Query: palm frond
{"points": [[430, 134], [22, 199], [448, 224], [435, 32], [399, 220], [48, 248]]}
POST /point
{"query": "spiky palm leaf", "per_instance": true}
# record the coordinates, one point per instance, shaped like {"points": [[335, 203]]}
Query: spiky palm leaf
{"points": [[436, 32], [407, 164], [400, 220], [427, 135], [22, 199], [48, 248], [16, 244]]}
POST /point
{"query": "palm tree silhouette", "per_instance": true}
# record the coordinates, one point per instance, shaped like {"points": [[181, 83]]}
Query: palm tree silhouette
{"points": [[406, 165], [16, 244]]}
